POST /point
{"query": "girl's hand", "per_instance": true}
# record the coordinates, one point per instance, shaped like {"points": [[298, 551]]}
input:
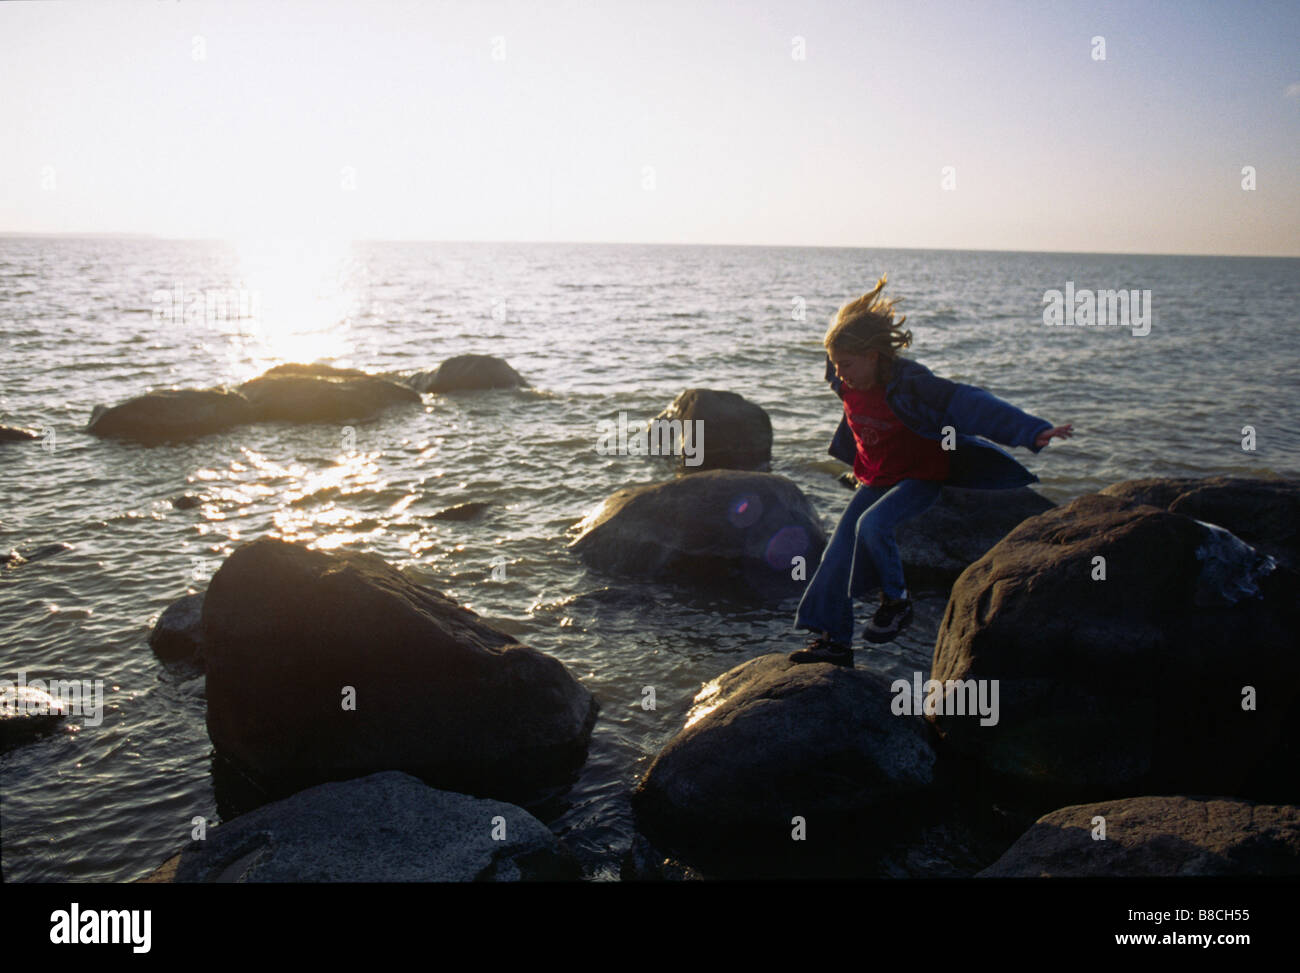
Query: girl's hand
{"points": [[1044, 437]]}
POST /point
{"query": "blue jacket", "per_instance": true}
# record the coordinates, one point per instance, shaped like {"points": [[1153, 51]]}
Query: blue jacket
{"points": [[926, 403]]}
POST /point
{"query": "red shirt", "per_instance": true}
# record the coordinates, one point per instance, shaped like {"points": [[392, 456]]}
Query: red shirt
{"points": [[887, 450]]}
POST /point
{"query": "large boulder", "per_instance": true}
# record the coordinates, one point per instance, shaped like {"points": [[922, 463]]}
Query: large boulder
{"points": [[1157, 837], [388, 827], [322, 393], [771, 741], [467, 372], [291, 635], [1263, 513], [171, 415], [1176, 673], [717, 526], [737, 434]]}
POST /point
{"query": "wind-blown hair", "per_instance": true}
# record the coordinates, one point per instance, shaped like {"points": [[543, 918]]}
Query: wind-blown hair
{"points": [[867, 324]]}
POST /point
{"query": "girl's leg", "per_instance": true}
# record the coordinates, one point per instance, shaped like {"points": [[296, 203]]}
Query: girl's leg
{"points": [[826, 605], [875, 528]]}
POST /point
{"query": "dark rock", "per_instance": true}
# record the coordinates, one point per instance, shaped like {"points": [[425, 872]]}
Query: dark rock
{"points": [[462, 511], [465, 372], [388, 827], [769, 741], [17, 558], [1158, 837], [322, 393], [187, 501], [737, 433], [12, 434], [26, 714], [1129, 685], [1263, 513], [178, 633], [643, 862], [439, 693], [711, 527], [171, 415]]}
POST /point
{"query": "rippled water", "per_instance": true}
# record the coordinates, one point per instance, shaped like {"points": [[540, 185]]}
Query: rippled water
{"points": [[596, 329]]}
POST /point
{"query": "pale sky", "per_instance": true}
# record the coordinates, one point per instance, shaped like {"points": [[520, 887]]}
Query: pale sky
{"points": [[659, 122]]}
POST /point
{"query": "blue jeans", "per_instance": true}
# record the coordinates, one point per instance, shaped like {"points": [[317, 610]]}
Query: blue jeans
{"points": [[863, 541]]}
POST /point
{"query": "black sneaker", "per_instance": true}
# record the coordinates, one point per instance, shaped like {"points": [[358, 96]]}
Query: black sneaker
{"points": [[824, 649], [891, 618]]}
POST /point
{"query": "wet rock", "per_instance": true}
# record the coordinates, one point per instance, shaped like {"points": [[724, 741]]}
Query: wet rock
{"points": [[387, 827], [462, 511], [643, 862], [292, 634], [737, 433], [17, 558], [466, 372], [178, 633], [171, 415], [705, 529], [769, 743], [1158, 837], [187, 501], [1129, 685], [12, 434], [27, 714], [1263, 513], [322, 393]]}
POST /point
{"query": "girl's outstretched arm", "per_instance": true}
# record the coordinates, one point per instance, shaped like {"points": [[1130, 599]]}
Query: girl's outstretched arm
{"points": [[1065, 432]]}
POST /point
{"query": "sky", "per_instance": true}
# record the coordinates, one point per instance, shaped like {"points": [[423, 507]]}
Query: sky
{"points": [[946, 125]]}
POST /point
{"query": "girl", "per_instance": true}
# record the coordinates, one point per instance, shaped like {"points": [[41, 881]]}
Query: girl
{"points": [[906, 432]]}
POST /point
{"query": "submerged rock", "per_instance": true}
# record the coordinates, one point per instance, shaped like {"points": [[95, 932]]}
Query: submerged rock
{"points": [[1157, 837], [16, 558], [26, 714], [769, 744], [466, 372], [707, 528], [322, 393], [1115, 676], [178, 633], [387, 827], [12, 434], [171, 415], [325, 666], [737, 434], [462, 511]]}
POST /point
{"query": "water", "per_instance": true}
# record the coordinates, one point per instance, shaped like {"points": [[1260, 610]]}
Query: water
{"points": [[597, 329]]}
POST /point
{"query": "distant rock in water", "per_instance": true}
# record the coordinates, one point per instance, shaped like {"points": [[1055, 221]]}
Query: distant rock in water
{"points": [[178, 633], [737, 433], [465, 372], [322, 393], [17, 558], [771, 743], [462, 511], [26, 714], [711, 527], [187, 501], [171, 415], [1119, 671], [12, 434], [387, 827], [1158, 837], [325, 666]]}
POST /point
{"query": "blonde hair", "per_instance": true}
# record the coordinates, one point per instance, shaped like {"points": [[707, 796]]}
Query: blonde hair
{"points": [[867, 324]]}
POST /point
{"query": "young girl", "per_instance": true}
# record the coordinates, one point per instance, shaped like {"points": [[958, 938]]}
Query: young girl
{"points": [[898, 419]]}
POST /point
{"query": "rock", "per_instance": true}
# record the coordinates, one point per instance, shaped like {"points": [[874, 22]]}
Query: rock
{"points": [[466, 372], [770, 741], [178, 633], [27, 714], [17, 558], [1158, 837], [1263, 513], [171, 415], [187, 501], [737, 433], [387, 827], [439, 693], [462, 511], [643, 862], [322, 393], [12, 434], [711, 527], [1129, 685]]}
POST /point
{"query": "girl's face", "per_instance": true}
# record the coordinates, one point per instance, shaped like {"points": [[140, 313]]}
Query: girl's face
{"points": [[855, 371]]}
